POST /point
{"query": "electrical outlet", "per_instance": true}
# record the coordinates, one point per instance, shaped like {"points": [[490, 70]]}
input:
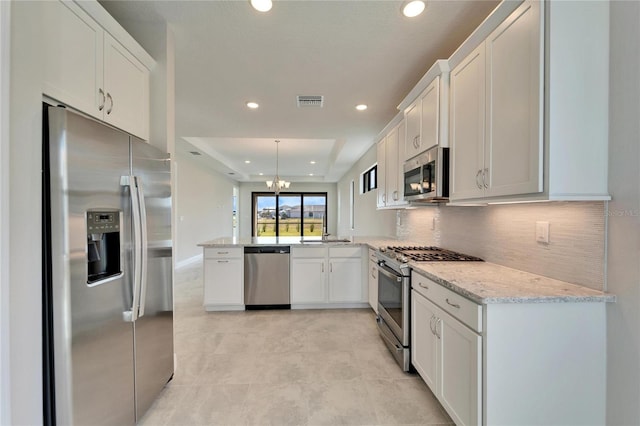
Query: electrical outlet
{"points": [[542, 232]]}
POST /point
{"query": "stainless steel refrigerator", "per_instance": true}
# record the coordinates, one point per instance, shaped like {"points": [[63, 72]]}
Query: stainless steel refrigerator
{"points": [[107, 272]]}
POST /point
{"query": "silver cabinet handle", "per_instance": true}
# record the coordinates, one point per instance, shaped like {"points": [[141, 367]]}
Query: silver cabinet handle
{"points": [[485, 172], [455, 305], [111, 102], [101, 105], [223, 261], [418, 141], [384, 198], [373, 272], [395, 195], [438, 335], [423, 285], [223, 252], [431, 326], [477, 179], [323, 267], [330, 267]]}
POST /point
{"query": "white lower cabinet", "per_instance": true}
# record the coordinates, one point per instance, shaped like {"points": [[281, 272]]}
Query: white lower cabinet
{"points": [[522, 363], [223, 279], [448, 356], [325, 277], [372, 279]]}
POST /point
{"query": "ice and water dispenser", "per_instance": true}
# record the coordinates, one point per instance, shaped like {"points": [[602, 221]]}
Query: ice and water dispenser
{"points": [[103, 245]]}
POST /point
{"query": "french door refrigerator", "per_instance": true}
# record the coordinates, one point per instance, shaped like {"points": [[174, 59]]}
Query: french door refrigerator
{"points": [[107, 272]]}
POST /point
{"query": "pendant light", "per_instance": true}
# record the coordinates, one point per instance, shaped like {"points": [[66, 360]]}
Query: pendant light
{"points": [[276, 185]]}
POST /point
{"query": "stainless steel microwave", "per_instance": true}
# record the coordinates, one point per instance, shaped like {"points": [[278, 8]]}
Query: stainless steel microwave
{"points": [[426, 176]]}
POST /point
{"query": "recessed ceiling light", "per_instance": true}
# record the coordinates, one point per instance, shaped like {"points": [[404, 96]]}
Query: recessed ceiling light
{"points": [[262, 5], [310, 174], [312, 162], [413, 8], [252, 105], [247, 161], [261, 174], [361, 107]]}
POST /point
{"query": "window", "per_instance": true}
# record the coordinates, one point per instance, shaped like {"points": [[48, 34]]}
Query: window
{"points": [[370, 179], [288, 214]]}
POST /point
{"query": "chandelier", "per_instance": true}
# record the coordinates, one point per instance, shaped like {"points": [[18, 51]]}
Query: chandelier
{"points": [[277, 184]]}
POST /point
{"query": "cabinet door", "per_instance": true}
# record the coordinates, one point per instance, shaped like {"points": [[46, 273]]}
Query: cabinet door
{"points": [[514, 154], [424, 343], [467, 126], [430, 128], [223, 283], [73, 49], [126, 83], [373, 286], [461, 371], [412, 136], [382, 174], [345, 280], [308, 283], [392, 164]]}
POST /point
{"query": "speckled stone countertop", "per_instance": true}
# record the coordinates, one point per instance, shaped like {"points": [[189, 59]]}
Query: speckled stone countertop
{"points": [[487, 283], [481, 282]]}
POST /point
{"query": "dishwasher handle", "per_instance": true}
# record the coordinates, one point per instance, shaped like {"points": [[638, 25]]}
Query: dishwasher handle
{"points": [[267, 249]]}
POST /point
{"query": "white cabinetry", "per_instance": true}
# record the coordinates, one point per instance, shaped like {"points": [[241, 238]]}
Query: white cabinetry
{"points": [[445, 351], [390, 151], [326, 277], [87, 69], [373, 280], [509, 363], [223, 279], [522, 127], [426, 115]]}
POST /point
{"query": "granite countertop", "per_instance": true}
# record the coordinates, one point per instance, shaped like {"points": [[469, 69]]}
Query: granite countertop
{"points": [[487, 283], [373, 242], [481, 282]]}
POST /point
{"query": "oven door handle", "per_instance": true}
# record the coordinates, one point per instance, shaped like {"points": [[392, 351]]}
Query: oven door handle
{"points": [[389, 273]]}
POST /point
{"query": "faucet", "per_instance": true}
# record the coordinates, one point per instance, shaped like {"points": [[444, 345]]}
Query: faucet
{"points": [[325, 234]]}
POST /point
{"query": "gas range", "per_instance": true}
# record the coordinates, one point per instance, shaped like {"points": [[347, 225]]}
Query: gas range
{"points": [[401, 255]]}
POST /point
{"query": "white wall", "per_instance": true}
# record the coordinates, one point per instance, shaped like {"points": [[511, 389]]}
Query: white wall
{"points": [[25, 157], [623, 280], [367, 220], [244, 202], [204, 205]]}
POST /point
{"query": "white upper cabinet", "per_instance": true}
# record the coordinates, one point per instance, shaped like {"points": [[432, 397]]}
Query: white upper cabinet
{"points": [[426, 112], [467, 126], [529, 114], [496, 119], [126, 83], [88, 70], [390, 152]]}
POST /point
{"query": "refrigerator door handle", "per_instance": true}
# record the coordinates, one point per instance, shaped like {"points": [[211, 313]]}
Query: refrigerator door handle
{"points": [[144, 240], [130, 181]]}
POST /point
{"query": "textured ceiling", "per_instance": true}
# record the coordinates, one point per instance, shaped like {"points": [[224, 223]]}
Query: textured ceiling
{"points": [[350, 52]]}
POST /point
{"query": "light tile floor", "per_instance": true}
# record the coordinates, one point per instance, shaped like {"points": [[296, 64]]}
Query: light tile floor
{"points": [[299, 367]]}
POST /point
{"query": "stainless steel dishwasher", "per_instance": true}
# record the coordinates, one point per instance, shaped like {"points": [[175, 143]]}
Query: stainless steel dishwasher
{"points": [[266, 277]]}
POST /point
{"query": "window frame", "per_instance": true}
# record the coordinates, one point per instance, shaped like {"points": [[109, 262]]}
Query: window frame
{"points": [[301, 194], [366, 182]]}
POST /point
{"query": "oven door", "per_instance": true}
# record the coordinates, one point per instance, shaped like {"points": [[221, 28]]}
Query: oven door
{"points": [[393, 302], [413, 182]]}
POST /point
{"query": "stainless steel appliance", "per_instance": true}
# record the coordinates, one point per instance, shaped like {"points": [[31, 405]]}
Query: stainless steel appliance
{"points": [[394, 290], [107, 272], [266, 277], [426, 176]]}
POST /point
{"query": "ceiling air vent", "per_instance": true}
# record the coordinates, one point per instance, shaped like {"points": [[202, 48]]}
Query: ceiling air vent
{"points": [[195, 152], [310, 101]]}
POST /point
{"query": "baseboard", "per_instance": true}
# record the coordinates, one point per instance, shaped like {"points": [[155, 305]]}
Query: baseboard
{"points": [[189, 261]]}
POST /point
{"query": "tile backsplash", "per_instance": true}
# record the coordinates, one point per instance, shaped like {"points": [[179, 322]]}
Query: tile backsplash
{"points": [[505, 234]]}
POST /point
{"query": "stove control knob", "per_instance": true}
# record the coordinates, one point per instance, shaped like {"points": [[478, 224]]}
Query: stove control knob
{"points": [[382, 249], [402, 258]]}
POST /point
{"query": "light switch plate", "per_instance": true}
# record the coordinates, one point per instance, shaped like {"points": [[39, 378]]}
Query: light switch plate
{"points": [[542, 232]]}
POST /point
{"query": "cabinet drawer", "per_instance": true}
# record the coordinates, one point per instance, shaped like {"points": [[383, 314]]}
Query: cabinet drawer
{"points": [[458, 306], [308, 252], [349, 251], [222, 252]]}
